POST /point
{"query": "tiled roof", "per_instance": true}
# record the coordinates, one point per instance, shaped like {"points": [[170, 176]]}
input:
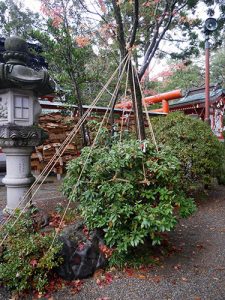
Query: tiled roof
{"points": [[197, 96]]}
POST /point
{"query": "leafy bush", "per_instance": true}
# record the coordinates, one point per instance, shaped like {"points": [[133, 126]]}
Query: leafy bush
{"points": [[193, 143], [128, 202], [26, 257]]}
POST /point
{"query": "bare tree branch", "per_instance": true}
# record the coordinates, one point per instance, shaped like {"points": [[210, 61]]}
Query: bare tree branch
{"points": [[155, 43], [156, 34], [92, 12], [174, 40]]}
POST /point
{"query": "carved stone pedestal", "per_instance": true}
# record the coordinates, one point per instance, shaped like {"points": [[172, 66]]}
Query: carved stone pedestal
{"points": [[17, 143], [18, 178]]}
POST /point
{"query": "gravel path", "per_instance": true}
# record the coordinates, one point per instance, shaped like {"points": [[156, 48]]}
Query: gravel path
{"points": [[194, 268], [48, 191]]}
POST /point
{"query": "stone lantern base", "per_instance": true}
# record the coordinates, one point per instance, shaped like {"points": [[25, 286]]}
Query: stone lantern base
{"points": [[17, 143], [18, 178]]}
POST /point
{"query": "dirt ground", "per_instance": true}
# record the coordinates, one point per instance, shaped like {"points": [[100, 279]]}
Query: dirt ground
{"points": [[194, 268]]}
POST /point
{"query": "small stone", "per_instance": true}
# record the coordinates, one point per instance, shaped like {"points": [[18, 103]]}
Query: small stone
{"points": [[184, 279]]}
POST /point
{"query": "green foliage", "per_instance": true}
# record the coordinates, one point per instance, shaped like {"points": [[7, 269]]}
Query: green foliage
{"points": [[218, 67], [69, 62], [26, 256], [135, 257], [184, 78], [193, 143], [16, 20], [130, 193]]}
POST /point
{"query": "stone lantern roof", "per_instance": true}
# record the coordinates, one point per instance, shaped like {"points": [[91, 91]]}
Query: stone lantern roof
{"points": [[35, 59], [15, 73]]}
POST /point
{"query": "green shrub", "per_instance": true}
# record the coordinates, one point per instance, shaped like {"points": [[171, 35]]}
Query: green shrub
{"points": [[115, 195], [191, 140], [26, 257]]}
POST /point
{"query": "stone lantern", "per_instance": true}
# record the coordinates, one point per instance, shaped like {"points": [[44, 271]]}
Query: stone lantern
{"points": [[20, 87], [18, 107]]}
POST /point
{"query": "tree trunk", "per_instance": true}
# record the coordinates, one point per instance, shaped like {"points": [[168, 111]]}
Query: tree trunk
{"points": [[114, 99], [112, 111], [84, 133], [135, 88], [137, 104]]}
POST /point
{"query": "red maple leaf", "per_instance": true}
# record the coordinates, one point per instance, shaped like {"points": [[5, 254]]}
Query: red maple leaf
{"points": [[102, 6], [86, 232], [33, 262], [129, 271], [104, 279], [106, 251], [108, 278], [81, 246]]}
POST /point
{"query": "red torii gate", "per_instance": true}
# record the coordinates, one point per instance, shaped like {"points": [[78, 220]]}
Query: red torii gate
{"points": [[164, 98]]}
